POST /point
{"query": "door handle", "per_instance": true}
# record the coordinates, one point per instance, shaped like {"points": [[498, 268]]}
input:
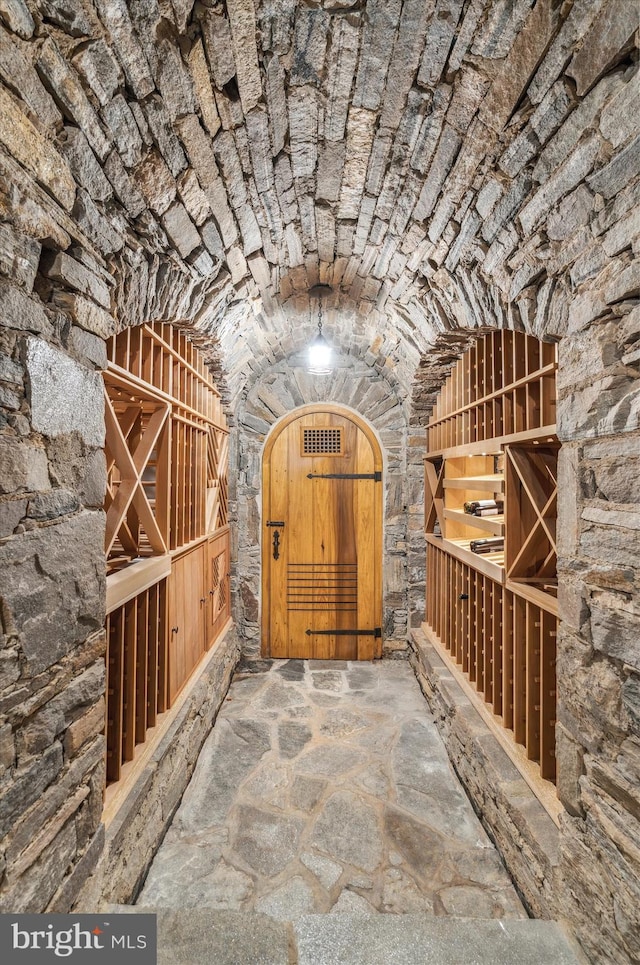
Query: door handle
{"points": [[277, 526]]}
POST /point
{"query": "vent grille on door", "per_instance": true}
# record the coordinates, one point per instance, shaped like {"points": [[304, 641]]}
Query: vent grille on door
{"points": [[322, 442], [322, 586]]}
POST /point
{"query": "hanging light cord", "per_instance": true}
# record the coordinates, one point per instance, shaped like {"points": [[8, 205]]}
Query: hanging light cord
{"points": [[319, 316]]}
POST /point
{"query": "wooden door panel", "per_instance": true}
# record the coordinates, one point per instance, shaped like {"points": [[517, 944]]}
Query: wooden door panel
{"points": [[186, 616], [217, 579], [327, 573]]}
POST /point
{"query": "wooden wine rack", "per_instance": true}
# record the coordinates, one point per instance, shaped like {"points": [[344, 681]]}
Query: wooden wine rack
{"points": [[492, 436], [167, 537]]}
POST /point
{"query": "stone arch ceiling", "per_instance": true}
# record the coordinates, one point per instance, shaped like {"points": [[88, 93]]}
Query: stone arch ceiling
{"points": [[443, 165]]}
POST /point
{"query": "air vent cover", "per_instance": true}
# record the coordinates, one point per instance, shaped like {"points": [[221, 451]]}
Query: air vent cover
{"points": [[326, 441]]}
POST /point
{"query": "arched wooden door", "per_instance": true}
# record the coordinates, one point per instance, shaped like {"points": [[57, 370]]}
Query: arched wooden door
{"points": [[322, 537]]}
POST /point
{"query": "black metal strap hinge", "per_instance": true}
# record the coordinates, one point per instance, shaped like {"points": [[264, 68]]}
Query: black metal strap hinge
{"points": [[376, 476], [376, 632]]}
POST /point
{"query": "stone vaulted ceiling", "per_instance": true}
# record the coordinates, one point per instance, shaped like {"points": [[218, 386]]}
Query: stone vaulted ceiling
{"points": [[440, 164]]}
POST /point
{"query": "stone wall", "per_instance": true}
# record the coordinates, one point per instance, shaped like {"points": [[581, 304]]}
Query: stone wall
{"points": [[357, 386], [444, 167], [52, 645]]}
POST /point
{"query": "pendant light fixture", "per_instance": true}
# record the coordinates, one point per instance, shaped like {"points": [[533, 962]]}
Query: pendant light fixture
{"points": [[319, 351]]}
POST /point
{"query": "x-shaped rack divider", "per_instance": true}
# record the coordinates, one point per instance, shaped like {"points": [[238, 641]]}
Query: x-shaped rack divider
{"points": [[131, 463], [535, 469], [435, 509]]}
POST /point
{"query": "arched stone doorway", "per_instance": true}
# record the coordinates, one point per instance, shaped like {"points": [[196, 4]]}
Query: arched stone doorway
{"points": [[322, 536]]}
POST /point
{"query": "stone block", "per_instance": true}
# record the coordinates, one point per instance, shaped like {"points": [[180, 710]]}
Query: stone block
{"points": [[35, 888], [622, 234], [610, 32], [54, 799], [86, 314], [162, 129], [181, 229], [63, 268], [570, 768], [84, 166], [16, 15], [575, 26], [101, 71], [617, 174], [382, 20], [52, 505], [20, 76], [84, 728], [573, 171], [7, 747], [203, 89], [23, 467], [631, 698], [156, 182], [69, 15], [64, 898], [11, 513], [517, 69], [19, 256], [200, 150], [64, 396], [625, 285], [123, 186], [173, 79], [53, 587], [242, 18], [27, 785], [619, 115], [85, 690], [614, 629], [309, 47], [219, 46], [88, 347], [443, 160], [124, 130], [115, 16], [96, 226], [59, 77], [360, 133], [612, 475]]}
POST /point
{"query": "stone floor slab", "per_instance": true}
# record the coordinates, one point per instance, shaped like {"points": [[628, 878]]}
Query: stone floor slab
{"points": [[412, 940], [327, 788], [226, 938]]}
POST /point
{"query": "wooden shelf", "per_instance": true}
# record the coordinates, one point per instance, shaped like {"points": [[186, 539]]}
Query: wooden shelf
{"points": [[534, 594], [487, 484], [546, 435], [488, 524], [491, 564]]}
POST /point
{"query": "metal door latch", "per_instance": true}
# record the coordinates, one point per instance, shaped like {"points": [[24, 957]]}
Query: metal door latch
{"points": [[277, 526]]}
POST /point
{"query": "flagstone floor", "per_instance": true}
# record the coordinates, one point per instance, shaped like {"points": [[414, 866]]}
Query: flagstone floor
{"points": [[325, 787]]}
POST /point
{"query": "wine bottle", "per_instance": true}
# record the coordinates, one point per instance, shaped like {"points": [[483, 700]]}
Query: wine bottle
{"points": [[496, 510], [473, 504], [493, 544]]}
